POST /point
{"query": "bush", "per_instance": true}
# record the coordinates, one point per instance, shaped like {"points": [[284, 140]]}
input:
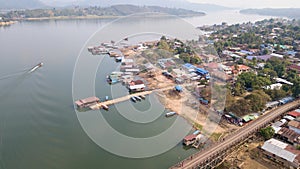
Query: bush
{"points": [[267, 132]]}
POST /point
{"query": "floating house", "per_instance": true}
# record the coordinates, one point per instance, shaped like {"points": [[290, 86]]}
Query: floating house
{"points": [[83, 103], [189, 139], [136, 86]]}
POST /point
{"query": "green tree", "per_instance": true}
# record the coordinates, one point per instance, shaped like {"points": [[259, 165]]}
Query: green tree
{"points": [[257, 100], [267, 132]]}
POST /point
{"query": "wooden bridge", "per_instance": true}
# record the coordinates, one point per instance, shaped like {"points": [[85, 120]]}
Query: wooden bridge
{"points": [[213, 155]]}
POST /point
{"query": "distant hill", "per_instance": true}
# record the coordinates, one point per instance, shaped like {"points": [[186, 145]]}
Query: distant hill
{"points": [[163, 3], [21, 4], [131, 9], [94, 11], [293, 13]]}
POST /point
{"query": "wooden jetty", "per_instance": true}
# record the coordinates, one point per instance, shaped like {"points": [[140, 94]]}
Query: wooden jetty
{"points": [[107, 103], [118, 100]]}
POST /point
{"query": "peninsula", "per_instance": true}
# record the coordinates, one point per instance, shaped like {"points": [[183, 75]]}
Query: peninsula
{"points": [[93, 12]]}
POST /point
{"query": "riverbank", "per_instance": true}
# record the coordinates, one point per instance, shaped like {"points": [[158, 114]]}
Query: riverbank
{"points": [[97, 17], [7, 23], [72, 17]]}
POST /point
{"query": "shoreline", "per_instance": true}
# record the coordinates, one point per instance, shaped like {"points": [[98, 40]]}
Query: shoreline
{"points": [[96, 17], [8, 23]]}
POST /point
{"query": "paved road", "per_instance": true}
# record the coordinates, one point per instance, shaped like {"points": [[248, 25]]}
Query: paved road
{"points": [[236, 136]]}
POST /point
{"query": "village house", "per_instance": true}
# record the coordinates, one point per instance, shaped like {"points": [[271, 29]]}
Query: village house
{"points": [[289, 136], [238, 69], [295, 126], [282, 152], [166, 63]]}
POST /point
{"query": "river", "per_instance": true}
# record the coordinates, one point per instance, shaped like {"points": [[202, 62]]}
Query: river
{"points": [[39, 127]]}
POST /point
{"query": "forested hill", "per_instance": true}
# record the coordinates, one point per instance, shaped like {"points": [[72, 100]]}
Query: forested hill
{"points": [[116, 10], [293, 13]]}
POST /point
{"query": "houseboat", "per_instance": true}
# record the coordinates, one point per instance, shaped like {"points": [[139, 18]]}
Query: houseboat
{"points": [[169, 114], [136, 86], [87, 102], [189, 139]]}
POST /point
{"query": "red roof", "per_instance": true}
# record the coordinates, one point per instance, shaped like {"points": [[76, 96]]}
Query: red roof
{"points": [[190, 137], [295, 67], [240, 67], [294, 114], [137, 82]]}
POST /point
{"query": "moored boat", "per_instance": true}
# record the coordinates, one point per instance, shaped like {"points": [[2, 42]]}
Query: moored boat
{"points": [[138, 98], [105, 107], [169, 114], [133, 99]]}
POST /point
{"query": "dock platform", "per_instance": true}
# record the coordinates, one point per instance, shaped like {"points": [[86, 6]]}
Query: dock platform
{"points": [[118, 100]]}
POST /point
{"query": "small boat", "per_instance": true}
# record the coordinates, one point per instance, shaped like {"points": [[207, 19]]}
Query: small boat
{"points": [[36, 67], [118, 59], [142, 96], [170, 114], [106, 97], [138, 98], [133, 99], [196, 132], [105, 107]]}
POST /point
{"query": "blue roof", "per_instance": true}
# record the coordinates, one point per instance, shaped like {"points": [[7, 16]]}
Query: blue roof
{"points": [[189, 66], [246, 52], [178, 88], [293, 53], [250, 57], [202, 71]]}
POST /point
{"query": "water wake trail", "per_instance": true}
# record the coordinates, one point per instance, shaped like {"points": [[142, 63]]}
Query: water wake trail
{"points": [[19, 73]]}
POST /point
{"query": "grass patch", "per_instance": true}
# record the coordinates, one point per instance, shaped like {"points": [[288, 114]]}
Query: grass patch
{"points": [[198, 126], [215, 136]]}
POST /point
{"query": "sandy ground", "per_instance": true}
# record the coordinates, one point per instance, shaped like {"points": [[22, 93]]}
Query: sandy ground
{"points": [[244, 157], [185, 104], [252, 164]]}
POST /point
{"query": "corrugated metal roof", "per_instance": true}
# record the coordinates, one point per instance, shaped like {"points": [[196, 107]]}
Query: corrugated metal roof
{"points": [[278, 148]]}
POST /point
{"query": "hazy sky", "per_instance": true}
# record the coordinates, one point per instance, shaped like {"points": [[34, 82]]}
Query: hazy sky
{"points": [[254, 3], [230, 3]]}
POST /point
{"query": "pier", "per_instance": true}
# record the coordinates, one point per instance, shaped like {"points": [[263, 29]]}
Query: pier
{"points": [[127, 97], [118, 100]]}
